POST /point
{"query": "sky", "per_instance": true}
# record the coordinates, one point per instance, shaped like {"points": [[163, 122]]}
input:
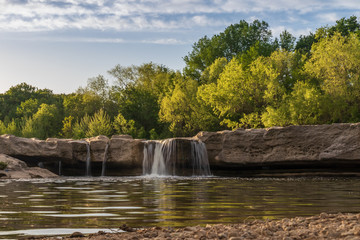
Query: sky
{"points": [[60, 44]]}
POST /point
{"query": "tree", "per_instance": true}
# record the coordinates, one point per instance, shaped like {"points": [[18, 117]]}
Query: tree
{"points": [[182, 110], [305, 42], [81, 127], [81, 103], [139, 99], [43, 124], [67, 130], [27, 108], [212, 73], [343, 26], [335, 66], [238, 91], [287, 41], [99, 124], [123, 126], [235, 39]]}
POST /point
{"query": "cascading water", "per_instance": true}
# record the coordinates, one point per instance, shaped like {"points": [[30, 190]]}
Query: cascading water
{"points": [[88, 160], [175, 157], [200, 158], [59, 168], [104, 160]]}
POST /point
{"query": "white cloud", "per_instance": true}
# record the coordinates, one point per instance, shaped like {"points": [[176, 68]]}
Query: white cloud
{"points": [[152, 15], [166, 41], [328, 17]]}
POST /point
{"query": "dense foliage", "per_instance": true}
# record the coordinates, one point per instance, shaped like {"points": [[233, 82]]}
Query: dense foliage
{"points": [[239, 78]]}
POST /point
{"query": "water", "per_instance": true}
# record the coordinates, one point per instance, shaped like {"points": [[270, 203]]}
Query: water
{"points": [[104, 160], [169, 157], [88, 160], [200, 159], [59, 168], [66, 204]]}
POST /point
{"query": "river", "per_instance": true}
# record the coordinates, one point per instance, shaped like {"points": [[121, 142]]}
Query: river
{"points": [[65, 205]]}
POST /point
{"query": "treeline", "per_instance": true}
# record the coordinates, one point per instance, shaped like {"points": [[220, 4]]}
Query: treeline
{"points": [[239, 78]]}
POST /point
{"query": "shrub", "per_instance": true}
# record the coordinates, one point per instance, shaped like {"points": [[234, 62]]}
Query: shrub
{"points": [[3, 165]]}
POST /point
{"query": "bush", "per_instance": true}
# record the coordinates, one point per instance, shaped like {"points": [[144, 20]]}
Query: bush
{"points": [[3, 165]]}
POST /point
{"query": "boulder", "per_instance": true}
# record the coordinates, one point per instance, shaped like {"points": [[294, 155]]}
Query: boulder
{"points": [[126, 151], [59, 149], [17, 169]]}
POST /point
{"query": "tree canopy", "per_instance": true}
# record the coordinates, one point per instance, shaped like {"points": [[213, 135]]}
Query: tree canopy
{"points": [[239, 78]]}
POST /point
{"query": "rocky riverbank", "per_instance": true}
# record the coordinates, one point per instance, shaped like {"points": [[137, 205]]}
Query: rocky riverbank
{"points": [[323, 226], [17, 169]]}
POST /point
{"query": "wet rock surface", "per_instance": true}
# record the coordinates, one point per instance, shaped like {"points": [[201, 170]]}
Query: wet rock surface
{"points": [[323, 226]]}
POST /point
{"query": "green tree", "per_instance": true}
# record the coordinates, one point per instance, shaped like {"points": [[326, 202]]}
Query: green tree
{"points": [[236, 39], [238, 91], [99, 124], [81, 127], [67, 130], [123, 126], [305, 42], [287, 41], [43, 124], [212, 73], [27, 108], [183, 112]]}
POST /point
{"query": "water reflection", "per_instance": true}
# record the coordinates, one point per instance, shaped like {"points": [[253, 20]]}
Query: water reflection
{"points": [[111, 202]]}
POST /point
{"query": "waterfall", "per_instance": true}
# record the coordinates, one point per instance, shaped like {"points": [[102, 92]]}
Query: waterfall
{"points": [[200, 159], [174, 156], [104, 160], [59, 168], [88, 160]]}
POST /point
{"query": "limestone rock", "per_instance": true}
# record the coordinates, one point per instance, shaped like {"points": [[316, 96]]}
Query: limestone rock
{"points": [[126, 151], [17, 169], [25, 147], [293, 144]]}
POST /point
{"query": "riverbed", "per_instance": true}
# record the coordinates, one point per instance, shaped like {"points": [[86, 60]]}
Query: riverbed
{"points": [[65, 205]]}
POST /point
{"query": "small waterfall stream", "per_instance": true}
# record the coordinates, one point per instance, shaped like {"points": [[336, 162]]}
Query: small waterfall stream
{"points": [[104, 160], [174, 156], [88, 160], [59, 168]]}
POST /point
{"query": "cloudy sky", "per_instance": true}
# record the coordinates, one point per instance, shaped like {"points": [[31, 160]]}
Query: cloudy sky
{"points": [[59, 44]]}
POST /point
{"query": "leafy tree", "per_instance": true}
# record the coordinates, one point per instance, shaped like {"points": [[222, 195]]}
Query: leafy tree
{"points": [[99, 124], [81, 127], [212, 73], [27, 108], [182, 110], [123, 126], [43, 124], [10, 128], [304, 104], [81, 103], [305, 42], [235, 39], [335, 62], [67, 130], [139, 100], [238, 91], [287, 41], [343, 26]]}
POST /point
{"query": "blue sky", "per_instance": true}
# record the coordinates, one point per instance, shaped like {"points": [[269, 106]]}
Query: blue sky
{"points": [[59, 44]]}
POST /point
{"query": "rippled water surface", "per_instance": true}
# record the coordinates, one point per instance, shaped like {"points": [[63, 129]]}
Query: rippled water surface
{"points": [[92, 204]]}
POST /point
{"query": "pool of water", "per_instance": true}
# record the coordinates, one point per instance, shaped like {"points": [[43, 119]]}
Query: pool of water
{"points": [[92, 204]]}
